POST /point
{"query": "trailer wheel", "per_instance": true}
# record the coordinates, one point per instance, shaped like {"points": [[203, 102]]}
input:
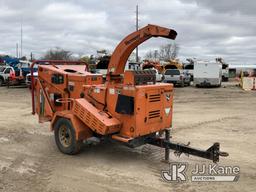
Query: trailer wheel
{"points": [[65, 137], [182, 84]]}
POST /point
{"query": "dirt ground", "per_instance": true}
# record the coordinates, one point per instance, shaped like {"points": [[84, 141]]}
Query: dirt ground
{"points": [[30, 160]]}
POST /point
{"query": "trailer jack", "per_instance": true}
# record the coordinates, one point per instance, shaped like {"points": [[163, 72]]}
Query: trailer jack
{"points": [[212, 153]]}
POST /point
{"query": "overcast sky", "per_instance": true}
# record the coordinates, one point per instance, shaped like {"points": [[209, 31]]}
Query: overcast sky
{"points": [[206, 29]]}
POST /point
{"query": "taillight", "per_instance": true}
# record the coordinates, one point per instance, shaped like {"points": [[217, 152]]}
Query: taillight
{"points": [[12, 75]]}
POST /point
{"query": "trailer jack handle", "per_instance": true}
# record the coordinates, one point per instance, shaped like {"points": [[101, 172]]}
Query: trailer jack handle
{"points": [[212, 153]]}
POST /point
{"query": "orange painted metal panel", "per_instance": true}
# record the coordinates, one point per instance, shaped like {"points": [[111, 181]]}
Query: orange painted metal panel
{"points": [[97, 120]]}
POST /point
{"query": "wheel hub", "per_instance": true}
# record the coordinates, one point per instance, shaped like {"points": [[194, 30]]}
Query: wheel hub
{"points": [[65, 136]]}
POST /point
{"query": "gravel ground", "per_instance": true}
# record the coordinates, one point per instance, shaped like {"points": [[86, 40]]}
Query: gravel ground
{"points": [[30, 160]]}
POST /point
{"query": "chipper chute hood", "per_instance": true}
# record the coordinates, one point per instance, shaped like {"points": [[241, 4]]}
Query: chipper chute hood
{"points": [[129, 43]]}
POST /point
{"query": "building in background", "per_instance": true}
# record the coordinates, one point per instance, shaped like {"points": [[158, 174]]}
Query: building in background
{"points": [[235, 70]]}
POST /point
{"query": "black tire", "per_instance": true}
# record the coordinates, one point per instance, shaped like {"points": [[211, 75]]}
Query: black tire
{"points": [[162, 79], [182, 84], [1, 82], [65, 137], [8, 83]]}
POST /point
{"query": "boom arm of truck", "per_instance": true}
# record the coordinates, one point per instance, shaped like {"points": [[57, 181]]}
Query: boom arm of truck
{"points": [[129, 43]]}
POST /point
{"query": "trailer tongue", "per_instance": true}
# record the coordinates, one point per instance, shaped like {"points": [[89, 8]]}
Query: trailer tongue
{"points": [[130, 107], [212, 153]]}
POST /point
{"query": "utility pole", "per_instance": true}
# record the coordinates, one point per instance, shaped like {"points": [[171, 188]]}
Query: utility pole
{"points": [[21, 40], [17, 50], [137, 28]]}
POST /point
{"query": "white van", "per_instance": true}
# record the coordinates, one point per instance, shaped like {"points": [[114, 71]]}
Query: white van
{"points": [[207, 73]]}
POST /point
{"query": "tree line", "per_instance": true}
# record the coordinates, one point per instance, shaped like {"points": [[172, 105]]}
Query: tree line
{"points": [[166, 52]]}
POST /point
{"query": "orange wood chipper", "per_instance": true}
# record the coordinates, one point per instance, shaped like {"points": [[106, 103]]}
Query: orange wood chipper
{"points": [[129, 107]]}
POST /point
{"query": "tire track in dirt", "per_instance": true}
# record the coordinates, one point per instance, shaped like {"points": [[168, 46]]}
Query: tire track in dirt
{"points": [[201, 123], [25, 168]]}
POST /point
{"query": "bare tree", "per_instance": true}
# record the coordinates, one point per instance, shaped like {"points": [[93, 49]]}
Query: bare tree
{"points": [[168, 52], [152, 55], [165, 52], [24, 58], [58, 54], [85, 59], [149, 55]]}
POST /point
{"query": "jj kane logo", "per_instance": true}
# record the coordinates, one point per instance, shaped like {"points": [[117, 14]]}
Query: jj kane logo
{"points": [[200, 173], [176, 173]]}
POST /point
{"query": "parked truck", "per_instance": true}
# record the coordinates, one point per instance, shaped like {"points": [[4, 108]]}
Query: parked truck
{"points": [[225, 69], [5, 72], [177, 77], [207, 73]]}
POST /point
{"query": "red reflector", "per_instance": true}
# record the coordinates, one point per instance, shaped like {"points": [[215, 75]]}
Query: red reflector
{"points": [[12, 75]]}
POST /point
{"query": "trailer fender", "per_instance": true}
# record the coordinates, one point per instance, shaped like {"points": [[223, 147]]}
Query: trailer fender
{"points": [[82, 131]]}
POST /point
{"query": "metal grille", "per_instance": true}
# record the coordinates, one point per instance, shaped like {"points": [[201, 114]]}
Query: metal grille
{"points": [[85, 116], [154, 114], [154, 97], [92, 121]]}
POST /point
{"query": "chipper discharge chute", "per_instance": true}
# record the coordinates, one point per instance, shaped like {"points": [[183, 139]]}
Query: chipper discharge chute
{"points": [[129, 107]]}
